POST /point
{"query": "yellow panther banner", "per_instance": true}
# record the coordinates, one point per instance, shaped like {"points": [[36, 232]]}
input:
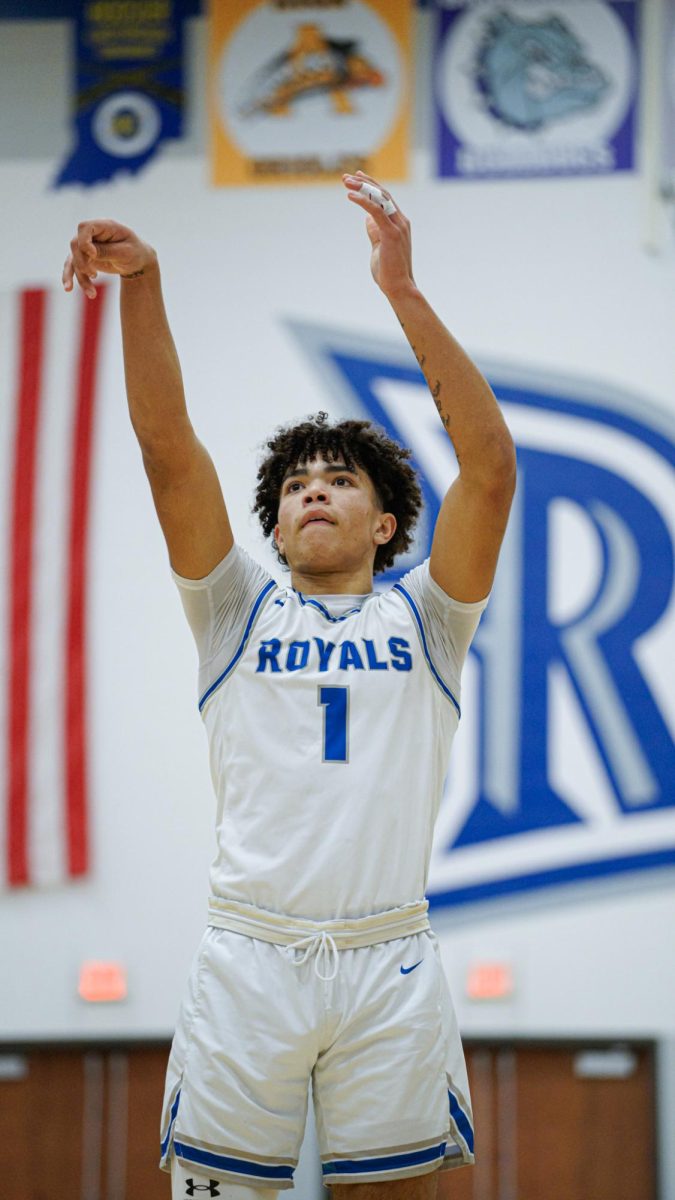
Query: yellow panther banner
{"points": [[301, 90]]}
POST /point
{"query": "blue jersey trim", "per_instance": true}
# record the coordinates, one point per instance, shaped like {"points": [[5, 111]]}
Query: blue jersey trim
{"points": [[462, 1122], [172, 1117], [323, 610], [236, 1166], [398, 587], [242, 645], [367, 1166]]}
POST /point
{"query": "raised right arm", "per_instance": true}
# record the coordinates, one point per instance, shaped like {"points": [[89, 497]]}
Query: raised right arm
{"points": [[185, 487]]}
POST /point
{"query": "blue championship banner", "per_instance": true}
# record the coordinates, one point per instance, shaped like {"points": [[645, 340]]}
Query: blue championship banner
{"points": [[129, 86], [535, 87]]}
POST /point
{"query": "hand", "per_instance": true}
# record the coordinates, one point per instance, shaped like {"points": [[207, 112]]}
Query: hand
{"points": [[104, 246], [391, 256]]}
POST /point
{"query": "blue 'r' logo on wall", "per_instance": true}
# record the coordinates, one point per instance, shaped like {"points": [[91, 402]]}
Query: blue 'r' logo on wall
{"points": [[565, 766]]}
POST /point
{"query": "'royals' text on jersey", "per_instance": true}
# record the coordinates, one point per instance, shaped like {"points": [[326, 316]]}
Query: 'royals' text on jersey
{"points": [[330, 722]]}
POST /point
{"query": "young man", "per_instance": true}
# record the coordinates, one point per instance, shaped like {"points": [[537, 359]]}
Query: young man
{"points": [[330, 710]]}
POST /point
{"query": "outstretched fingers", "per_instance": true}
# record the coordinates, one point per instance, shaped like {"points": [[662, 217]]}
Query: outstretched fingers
{"points": [[68, 273], [359, 178], [80, 265], [106, 246], [388, 231]]}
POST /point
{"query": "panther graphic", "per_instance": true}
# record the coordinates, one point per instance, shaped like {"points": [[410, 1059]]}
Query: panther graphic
{"points": [[532, 73], [314, 63]]}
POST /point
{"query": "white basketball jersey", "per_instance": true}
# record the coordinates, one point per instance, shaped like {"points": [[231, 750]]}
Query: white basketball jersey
{"points": [[330, 722]]}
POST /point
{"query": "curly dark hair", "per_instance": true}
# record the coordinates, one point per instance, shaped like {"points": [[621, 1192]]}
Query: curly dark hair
{"points": [[358, 443]]}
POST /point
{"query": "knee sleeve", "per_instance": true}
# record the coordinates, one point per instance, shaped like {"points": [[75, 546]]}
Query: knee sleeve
{"points": [[189, 1184]]}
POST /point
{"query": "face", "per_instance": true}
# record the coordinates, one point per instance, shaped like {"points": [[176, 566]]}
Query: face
{"points": [[330, 518]]}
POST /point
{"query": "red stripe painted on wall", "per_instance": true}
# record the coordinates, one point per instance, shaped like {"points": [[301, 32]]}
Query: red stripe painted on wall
{"points": [[75, 728], [32, 326]]}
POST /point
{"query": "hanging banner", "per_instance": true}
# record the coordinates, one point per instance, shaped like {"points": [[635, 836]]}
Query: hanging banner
{"points": [[300, 91], [129, 86], [535, 87]]}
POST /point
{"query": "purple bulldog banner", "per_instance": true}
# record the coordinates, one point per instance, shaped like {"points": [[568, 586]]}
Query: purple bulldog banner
{"points": [[535, 87]]}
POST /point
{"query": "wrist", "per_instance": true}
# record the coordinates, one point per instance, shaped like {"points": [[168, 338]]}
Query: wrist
{"points": [[146, 266], [404, 295]]}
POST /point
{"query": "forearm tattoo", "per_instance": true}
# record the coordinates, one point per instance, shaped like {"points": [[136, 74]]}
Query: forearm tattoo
{"points": [[434, 388], [435, 392]]}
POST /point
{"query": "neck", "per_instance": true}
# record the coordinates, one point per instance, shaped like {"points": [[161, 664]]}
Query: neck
{"points": [[333, 583]]}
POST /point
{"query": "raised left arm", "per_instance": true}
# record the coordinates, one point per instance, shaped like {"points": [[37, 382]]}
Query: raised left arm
{"points": [[473, 516]]}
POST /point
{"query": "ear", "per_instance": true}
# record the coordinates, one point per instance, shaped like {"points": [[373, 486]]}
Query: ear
{"points": [[385, 529], [278, 539]]}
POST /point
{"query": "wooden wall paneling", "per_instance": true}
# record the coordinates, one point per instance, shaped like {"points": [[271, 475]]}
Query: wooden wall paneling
{"points": [[590, 1138], [146, 1070]]}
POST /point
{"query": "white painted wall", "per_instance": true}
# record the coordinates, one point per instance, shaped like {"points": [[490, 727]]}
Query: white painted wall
{"points": [[550, 274]]}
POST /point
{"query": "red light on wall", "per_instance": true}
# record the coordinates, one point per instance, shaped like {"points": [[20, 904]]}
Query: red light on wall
{"points": [[489, 981], [102, 982]]}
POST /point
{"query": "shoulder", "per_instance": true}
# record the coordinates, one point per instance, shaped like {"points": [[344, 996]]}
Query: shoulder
{"points": [[419, 587], [221, 606], [446, 626], [236, 567]]}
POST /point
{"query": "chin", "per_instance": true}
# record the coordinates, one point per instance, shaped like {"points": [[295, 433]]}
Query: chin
{"points": [[319, 564]]}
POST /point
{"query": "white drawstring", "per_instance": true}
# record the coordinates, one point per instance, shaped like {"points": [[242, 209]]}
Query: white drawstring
{"points": [[321, 944]]}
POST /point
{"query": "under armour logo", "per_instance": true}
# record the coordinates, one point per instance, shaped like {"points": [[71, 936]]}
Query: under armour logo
{"points": [[211, 1187]]}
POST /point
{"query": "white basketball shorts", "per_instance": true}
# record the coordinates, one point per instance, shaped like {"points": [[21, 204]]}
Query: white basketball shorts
{"points": [[379, 1042]]}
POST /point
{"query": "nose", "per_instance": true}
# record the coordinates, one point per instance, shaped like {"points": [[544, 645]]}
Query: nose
{"points": [[313, 492]]}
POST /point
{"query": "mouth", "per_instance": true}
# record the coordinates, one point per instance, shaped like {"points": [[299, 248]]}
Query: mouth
{"points": [[317, 520]]}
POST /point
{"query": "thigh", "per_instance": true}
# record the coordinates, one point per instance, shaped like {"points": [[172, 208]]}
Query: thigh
{"points": [[236, 1098], [381, 1088], [423, 1187]]}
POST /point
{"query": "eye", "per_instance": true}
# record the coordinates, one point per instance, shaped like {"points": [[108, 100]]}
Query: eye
{"points": [[294, 486], [343, 479]]}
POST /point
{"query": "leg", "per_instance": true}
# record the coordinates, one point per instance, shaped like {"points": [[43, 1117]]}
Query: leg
{"points": [[389, 1107], [421, 1187], [241, 1128], [185, 1183]]}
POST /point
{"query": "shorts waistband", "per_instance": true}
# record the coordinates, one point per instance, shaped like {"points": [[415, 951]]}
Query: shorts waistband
{"points": [[283, 930]]}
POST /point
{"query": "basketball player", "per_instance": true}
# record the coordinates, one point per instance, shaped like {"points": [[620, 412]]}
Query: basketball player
{"points": [[330, 710]]}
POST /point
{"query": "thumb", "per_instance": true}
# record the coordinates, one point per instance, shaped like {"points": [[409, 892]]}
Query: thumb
{"points": [[107, 249], [373, 231]]}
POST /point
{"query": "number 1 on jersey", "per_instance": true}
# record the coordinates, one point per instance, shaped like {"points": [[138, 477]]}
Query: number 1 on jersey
{"points": [[335, 701]]}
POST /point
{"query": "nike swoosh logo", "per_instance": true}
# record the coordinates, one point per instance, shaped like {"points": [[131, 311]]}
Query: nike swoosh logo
{"points": [[407, 970]]}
